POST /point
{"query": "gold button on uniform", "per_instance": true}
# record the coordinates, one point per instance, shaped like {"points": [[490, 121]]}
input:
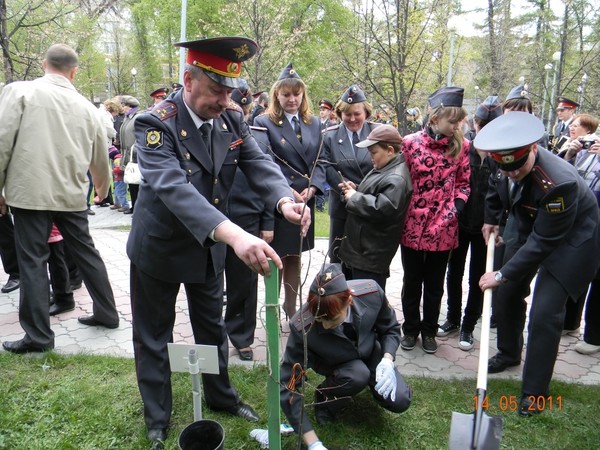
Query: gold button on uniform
{"points": [[216, 202]]}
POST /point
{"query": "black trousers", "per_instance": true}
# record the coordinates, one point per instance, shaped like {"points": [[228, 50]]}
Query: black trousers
{"points": [[423, 274], [546, 317], [153, 318], [591, 333], [242, 293], [8, 250], [456, 269], [336, 233], [59, 274], [347, 380], [510, 312], [32, 229]]}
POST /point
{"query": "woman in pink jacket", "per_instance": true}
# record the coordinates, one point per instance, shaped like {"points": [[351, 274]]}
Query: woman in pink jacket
{"points": [[438, 160]]}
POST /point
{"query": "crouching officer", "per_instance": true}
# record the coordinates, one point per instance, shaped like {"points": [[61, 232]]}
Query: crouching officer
{"points": [[352, 336], [554, 219]]}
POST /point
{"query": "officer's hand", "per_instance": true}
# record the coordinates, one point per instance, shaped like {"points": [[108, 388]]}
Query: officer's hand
{"points": [[253, 251], [385, 375], [297, 213], [487, 229], [317, 445], [3, 207], [266, 236]]}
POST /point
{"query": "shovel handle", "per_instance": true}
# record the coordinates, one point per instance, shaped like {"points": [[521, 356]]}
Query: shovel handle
{"points": [[484, 347]]}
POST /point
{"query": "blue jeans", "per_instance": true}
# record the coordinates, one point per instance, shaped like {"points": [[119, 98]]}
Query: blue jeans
{"points": [[121, 194]]}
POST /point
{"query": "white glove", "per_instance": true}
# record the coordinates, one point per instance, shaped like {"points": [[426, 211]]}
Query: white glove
{"points": [[385, 375], [262, 436], [317, 445]]}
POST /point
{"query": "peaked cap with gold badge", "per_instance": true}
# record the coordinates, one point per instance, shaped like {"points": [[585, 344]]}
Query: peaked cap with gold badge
{"points": [[221, 58], [509, 138]]}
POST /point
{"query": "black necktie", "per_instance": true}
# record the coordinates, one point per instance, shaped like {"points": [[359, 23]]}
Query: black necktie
{"points": [[205, 130], [297, 128], [355, 138]]}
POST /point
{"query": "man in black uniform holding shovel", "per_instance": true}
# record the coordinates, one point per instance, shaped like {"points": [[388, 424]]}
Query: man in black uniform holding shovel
{"points": [[553, 225]]}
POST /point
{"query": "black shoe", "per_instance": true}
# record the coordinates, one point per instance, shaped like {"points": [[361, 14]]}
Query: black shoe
{"points": [[447, 328], [12, 284], [76, 285], [465, 340], [244, 411], [408, 342], [157, 436], [246, 355], [429, 344], [530, 405], [322, 413], [497, 364], [90, 212], [128, 211], [56, 308], [20, 347], [93, 322]]}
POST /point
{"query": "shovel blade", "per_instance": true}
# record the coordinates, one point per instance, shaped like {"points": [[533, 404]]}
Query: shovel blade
{"points": [[461, 432]]}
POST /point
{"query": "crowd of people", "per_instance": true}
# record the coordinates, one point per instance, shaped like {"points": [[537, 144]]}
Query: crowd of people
{"points": [[230, 179]]}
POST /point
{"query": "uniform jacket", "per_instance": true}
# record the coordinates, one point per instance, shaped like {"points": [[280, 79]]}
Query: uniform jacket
{"points": [[44, 157], [183, 194], [376, 217], [431, 222], [377, 330], [296, 160], [557, 219], [338, 155], [245, 204]]}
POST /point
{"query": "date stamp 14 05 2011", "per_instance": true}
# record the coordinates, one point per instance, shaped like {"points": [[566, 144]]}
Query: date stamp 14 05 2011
{"points": [[511, 403]]}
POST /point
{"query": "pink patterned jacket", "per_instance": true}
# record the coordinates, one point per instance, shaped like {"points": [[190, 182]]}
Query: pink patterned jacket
{"points": [[431, 222]]}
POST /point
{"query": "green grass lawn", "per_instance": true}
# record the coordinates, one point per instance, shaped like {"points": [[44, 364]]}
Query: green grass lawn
{"points": [[321, 223], [92, 402]]}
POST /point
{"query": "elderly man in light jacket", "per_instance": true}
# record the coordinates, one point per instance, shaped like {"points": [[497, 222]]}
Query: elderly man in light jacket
{"points": [[50, 136]]}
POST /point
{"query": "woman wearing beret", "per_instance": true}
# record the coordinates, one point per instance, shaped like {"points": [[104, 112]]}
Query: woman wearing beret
{"points": [[295, 139], [438, 162]]}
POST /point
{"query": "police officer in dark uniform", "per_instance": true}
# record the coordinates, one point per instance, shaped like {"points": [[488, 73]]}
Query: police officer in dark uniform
{"points": [[325, 108], [158, 95], [341, 156], [553, 227], [176, 86], [352, 336], [248, 209], [189, 148], [565, 110]]}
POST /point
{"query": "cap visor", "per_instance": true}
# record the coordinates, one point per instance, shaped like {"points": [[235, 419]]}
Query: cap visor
{"points": [[366, 143], [229, 82]]}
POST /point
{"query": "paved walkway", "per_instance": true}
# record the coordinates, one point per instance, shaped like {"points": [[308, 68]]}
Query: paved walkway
{"points": [[72, 337]]}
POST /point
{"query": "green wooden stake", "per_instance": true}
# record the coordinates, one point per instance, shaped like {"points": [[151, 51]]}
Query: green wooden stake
{"points": [[273, 405]]}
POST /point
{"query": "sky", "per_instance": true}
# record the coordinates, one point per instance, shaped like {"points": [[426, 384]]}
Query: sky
{"points": [[467, 21]]}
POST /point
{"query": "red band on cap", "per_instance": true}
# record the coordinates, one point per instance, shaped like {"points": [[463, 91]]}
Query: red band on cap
{"points": [[510, 157], [214, 63]]}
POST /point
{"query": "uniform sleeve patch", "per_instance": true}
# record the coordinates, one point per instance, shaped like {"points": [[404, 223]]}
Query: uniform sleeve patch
{"points": [[154, 138], [556, 206]]}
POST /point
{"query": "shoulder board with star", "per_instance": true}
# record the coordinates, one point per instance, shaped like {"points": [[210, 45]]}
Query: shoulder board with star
{"points": [[164, 110], [362, 287], [331, 128], [542, 178], [305, 317]]}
